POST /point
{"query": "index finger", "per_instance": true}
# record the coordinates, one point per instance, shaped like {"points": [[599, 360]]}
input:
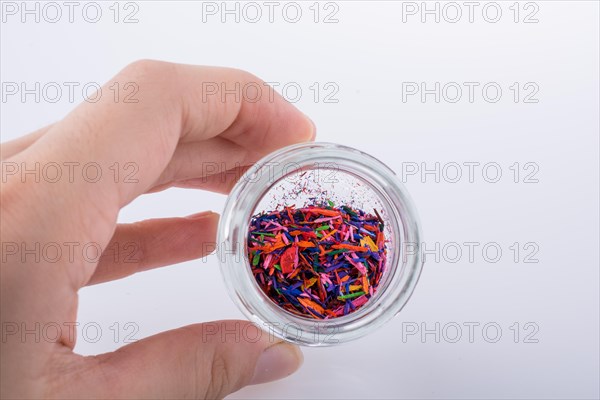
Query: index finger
{"points": [[173, 104]]}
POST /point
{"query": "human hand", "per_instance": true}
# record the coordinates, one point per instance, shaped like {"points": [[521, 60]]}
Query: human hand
{"points": [[169, 133]]}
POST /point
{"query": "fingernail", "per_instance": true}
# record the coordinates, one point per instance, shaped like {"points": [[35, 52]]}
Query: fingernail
{"points": [[199, 215], [277, 362]]}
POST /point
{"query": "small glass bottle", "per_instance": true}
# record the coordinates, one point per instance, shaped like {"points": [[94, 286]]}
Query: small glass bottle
{"points": [[300, 175]]}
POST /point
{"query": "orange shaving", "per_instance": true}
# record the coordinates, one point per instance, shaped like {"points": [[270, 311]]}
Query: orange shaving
{"points": [[305, 243], [309, 303], [349, 247]]}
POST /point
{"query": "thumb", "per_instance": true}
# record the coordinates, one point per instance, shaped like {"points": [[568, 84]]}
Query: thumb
{"points": [[209, 360]]}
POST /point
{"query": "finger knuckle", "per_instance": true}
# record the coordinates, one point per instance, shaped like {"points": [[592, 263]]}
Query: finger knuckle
{"points": [[148, 70], [220, 378], [135, 251]]}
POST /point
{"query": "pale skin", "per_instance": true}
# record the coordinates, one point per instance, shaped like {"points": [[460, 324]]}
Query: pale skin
{"points": [[168, 133]]}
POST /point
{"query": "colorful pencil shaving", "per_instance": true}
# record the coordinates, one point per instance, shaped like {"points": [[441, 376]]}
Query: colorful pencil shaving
{"points": [[318, 261]]}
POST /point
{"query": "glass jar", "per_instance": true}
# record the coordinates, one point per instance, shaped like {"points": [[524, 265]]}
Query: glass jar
{"points": [[300, 175]]}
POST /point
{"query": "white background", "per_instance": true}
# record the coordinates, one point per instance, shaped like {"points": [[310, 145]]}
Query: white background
{"points": [[368, 54]]}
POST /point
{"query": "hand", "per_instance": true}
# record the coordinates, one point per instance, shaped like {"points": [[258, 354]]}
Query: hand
{"points": [[169, 133]]}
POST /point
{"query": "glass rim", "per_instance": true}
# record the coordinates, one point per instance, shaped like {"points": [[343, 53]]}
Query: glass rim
{"points": [[240, 206]]}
